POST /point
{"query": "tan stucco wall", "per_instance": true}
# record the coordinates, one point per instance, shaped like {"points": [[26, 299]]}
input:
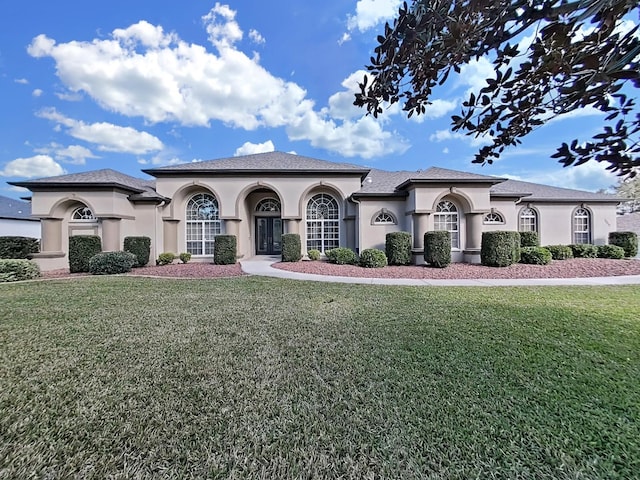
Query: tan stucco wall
{"points": [[374, 236]]}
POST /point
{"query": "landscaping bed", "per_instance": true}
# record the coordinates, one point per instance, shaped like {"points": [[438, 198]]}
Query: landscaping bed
{"points": [[572, 268], [176, 270]]}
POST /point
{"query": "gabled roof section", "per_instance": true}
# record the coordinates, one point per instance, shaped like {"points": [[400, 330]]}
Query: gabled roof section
{"points": [[14, 209], [537, 192], [270, 162], [381, 182], [140, 189]]}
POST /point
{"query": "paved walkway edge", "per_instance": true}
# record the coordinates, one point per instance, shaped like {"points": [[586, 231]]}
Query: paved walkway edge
{"points": [[264, 267]]}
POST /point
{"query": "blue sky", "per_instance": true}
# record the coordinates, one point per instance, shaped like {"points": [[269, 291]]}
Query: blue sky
{"points": [[136, 84]]}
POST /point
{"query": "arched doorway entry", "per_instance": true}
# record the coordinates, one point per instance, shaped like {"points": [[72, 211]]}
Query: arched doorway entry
{"points": [[268, 227]]}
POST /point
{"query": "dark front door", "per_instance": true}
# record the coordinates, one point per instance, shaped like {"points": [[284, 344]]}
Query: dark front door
{"points": [[268, 235]]}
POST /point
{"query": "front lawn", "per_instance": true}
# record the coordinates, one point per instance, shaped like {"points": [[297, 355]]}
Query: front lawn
{"points": [[122, 377]]}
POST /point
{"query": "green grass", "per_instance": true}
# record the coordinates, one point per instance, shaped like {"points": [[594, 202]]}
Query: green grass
{"points": [[123, 377]]}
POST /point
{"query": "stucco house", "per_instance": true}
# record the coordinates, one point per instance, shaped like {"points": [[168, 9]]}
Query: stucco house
{"points": [[16, 219], [259, 197]]}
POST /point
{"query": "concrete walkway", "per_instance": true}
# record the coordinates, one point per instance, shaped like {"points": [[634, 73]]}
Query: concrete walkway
{"points": [[262, 266]]}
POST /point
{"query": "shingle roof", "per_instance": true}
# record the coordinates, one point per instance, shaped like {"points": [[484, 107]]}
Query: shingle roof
{"points": [[14, 209], [260, 162], [538, 192], [106, 176]]}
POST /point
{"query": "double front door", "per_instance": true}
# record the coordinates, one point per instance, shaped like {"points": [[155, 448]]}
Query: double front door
{"points": [[268, 235]]}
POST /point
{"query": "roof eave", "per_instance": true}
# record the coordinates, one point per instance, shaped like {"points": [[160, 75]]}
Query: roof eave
{"points": [[48, 185], [413, 181]]}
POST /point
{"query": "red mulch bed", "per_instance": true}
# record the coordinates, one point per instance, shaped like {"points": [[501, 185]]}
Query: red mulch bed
{"points": [[573, 268]]}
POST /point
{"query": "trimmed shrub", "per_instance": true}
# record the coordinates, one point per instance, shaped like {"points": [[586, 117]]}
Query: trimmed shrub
{"points": [[81, 249], [111, 263], [610, 251], [397, 247], [342, 256], [529, 239], [314, 254], [535, 256], [560, 252], [184, 257], [584, 250], [626, 240], [140, 247], [224, 250], [18, 247], [373, 258], [15, 270], [165, 258], [291, 247], [500, 248], [437, 248]]}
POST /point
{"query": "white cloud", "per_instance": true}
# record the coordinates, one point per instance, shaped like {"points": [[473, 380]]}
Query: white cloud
{"points": [[143, 71], [37, 92], [249, 148], [73, 154], [108, 137], [345, 38], [370, 13], [36, 166], [22, 81], [447, 135], [256, 37], [445, 150], [475, 73], [69, 96]]}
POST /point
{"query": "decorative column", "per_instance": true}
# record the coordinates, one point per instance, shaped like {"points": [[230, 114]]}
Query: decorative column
{"points": [[51, 233], [111, 234], [170, 235], [474, 231], [420, 226], [291, 225]]}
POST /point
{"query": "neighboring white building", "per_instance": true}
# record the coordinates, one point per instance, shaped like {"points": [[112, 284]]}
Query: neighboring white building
{"points": [[16, 220], [259, 197]]}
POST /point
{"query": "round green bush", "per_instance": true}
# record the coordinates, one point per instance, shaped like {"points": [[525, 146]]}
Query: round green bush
{"points": [[341, 256], [529, 239], [626, 240], [610, 251], [165, 258], [560, 252], [110, 263], [314, 254], [437, 248], [584, 250], [373, 258], [15, 270], [184, 257], [398, 248], [535, 256]]}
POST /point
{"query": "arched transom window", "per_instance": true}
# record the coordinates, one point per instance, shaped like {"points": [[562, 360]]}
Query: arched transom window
{"points": [[83, 214], [268, 205], [323, 223], [202, 223], [446, 218], [581, 226], [528, 220], [384, 218], [493, 218]]}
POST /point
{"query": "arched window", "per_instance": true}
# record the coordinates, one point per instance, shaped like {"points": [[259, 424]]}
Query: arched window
{"points": [[384, 218], [323, 223], [202, 223], [581, 226], [83, 214], [446, 218], [493, 218], [268, 205], [528, 220]]}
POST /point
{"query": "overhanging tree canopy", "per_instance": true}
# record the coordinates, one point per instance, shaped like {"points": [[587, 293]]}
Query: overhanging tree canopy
{"points": [[579, 58]]}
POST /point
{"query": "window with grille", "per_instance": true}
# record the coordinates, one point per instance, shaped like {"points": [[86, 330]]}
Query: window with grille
{"points": [[581, 226], [202, 224], [83, 214], [323, 223], [446, 218], [268, 205], [493, 218], [528, 220], [384, 218]]}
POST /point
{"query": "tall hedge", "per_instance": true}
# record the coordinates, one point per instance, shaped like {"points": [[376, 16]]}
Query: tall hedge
{"points": [[140, 247], [529, 239], [437, 248], [626, 240], [397, 247], [291, 247], [500, 248], [18, 247], [225, 250], [81, 249]]}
